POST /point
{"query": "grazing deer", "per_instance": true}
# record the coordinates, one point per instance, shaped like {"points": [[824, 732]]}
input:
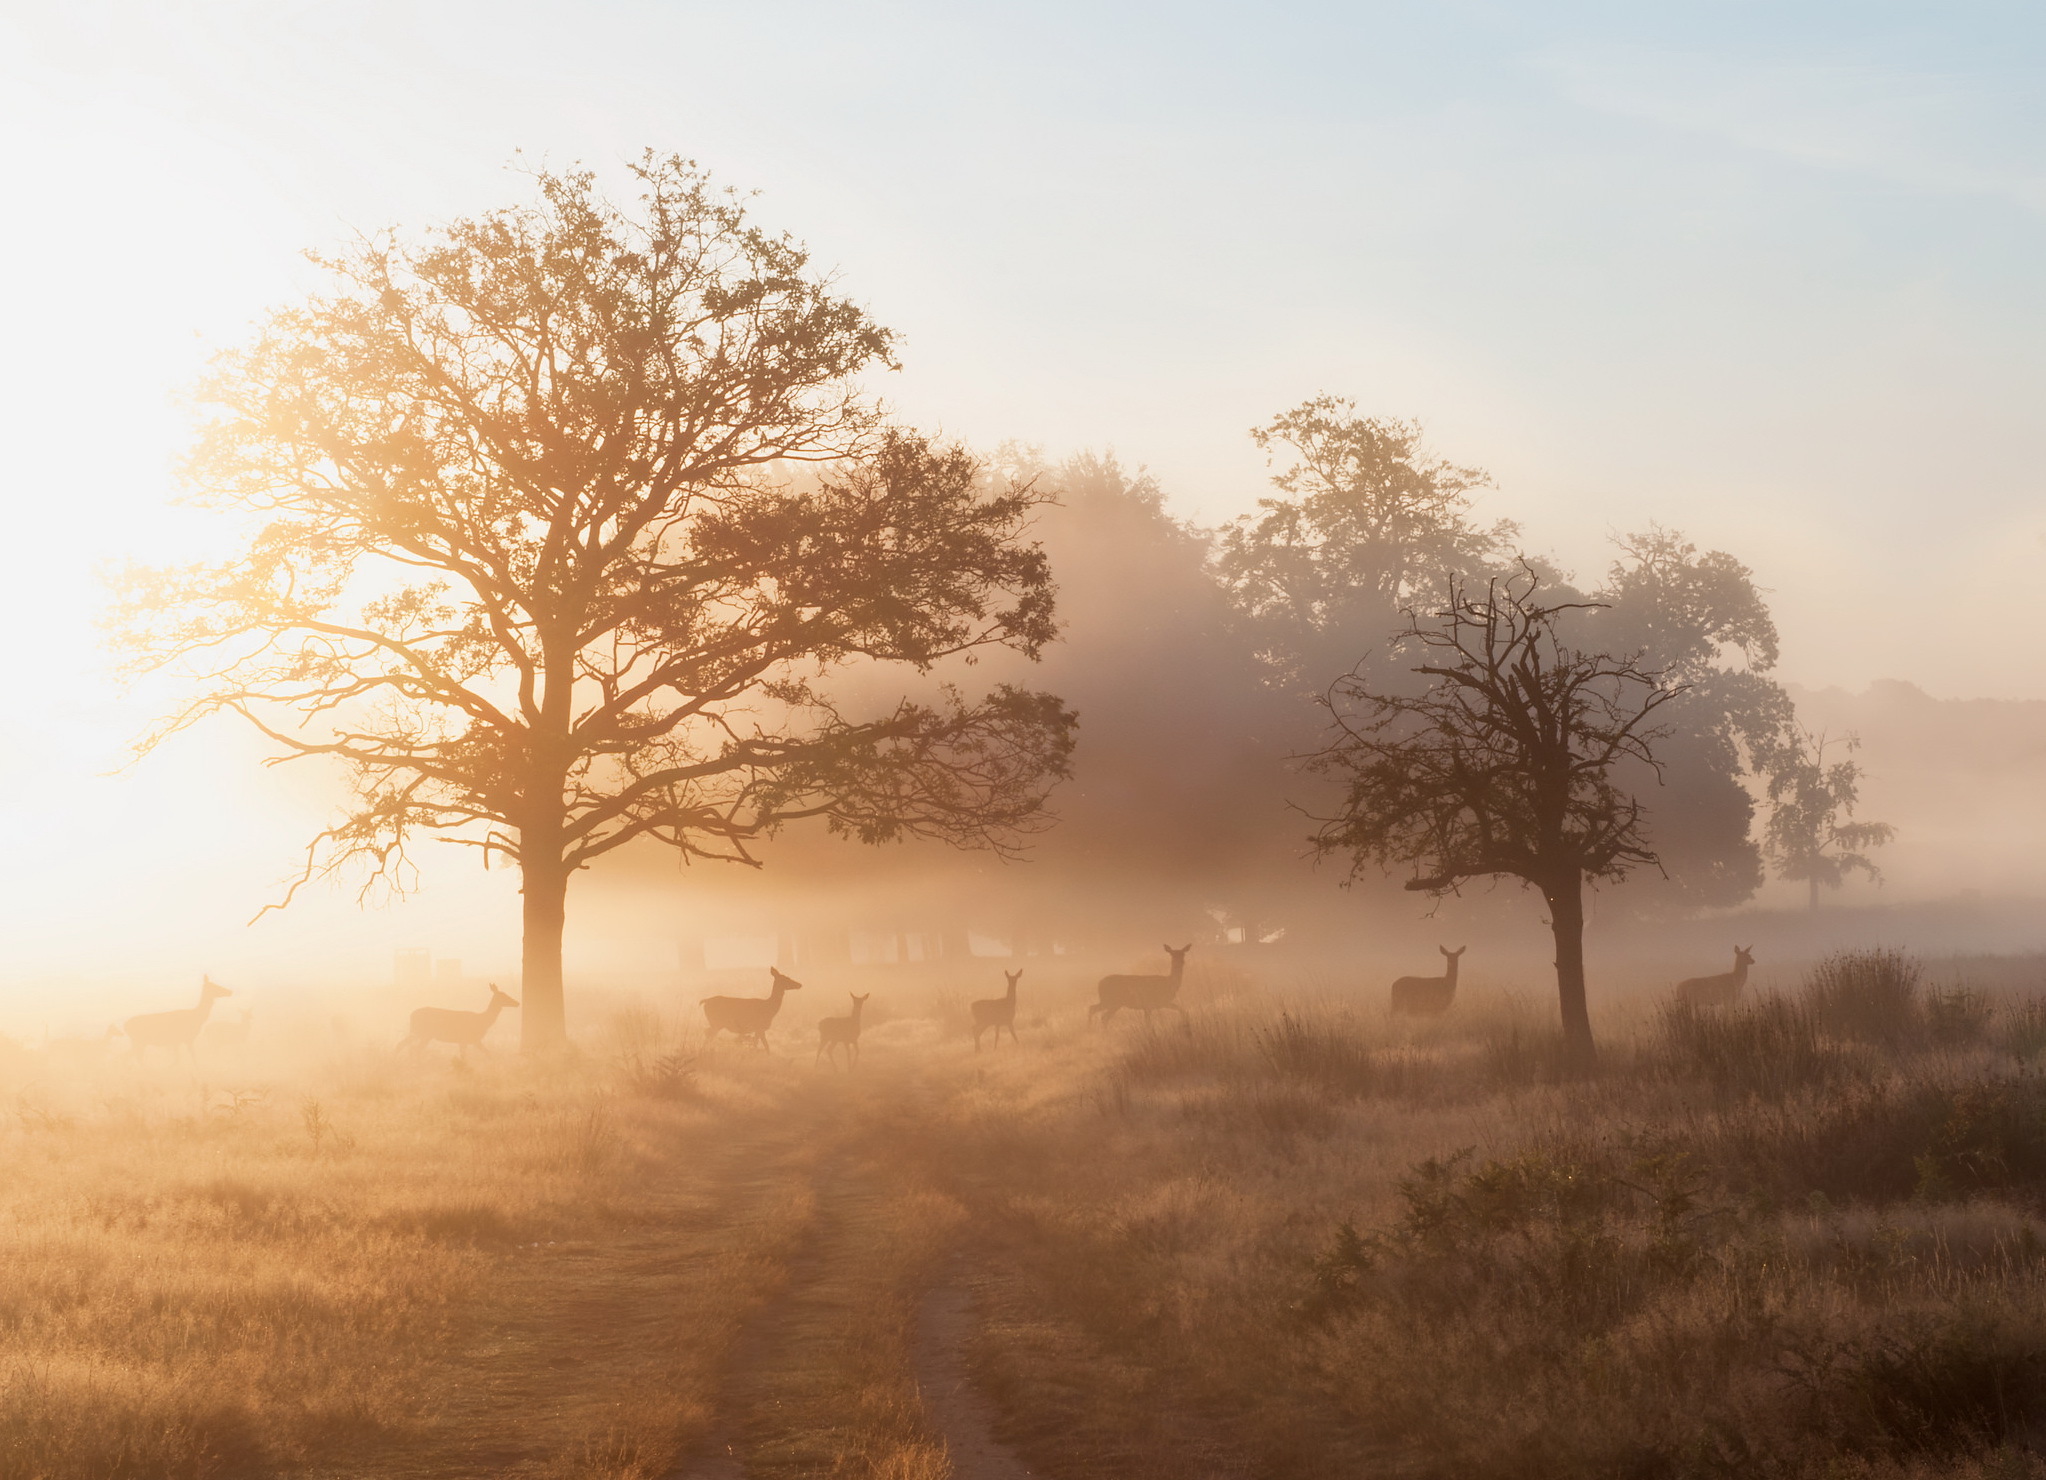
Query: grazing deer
{"points": [[997, 1013], [1428, 996], [1146, 994], [747, 1017], [174, 1030], [1719, 991], [448, 1025], [842, 1032]]}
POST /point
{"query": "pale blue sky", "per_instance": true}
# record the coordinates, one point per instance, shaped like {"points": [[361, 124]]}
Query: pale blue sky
{"points": [[1771, 274]]}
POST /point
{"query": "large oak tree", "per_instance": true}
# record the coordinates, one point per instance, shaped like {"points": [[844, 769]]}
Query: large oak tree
{"points": [[557, 524]]}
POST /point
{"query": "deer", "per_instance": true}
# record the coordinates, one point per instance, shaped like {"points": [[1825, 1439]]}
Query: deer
{"points": [[748, 1017], [174, 1030], [1145, 994], [842, 1032], [1428, 996], [997, 1013], [449, 1025], [1718, 991]]}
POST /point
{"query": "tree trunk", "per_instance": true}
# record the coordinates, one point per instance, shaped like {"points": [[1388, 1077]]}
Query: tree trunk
{"points": [[1815, 893], [543, 1024], [1566, 920]]}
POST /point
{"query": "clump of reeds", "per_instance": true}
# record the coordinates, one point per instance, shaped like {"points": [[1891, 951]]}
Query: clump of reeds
{"points": [[1871, 996], [1769, 1047]]}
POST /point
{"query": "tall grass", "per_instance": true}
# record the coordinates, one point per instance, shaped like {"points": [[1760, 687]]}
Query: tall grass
{"points": [[237, 1277], [1797, 1237]]}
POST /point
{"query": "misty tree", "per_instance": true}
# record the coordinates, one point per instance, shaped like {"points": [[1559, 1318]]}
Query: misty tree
{"points": [[556, 526], [1507, 762], [1812, 834], [1368, 522], [1699, 620]]}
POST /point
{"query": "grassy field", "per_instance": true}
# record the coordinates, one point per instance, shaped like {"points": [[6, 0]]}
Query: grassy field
{"points": [[1802, 1237]]}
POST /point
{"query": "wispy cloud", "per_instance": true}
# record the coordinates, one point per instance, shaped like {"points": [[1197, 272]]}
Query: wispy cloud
{"points": [[1924, 130]]}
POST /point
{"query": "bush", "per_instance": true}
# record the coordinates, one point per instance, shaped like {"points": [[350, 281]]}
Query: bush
{"points": [[1972, 1377], [1869, 996], [2022, 1031], [1887, 1142], [1957, 1016], [1324, 1051], [1767, 1048]]}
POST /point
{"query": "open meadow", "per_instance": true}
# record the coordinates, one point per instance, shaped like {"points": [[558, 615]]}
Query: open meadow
{"points": [[1801, 1235]]}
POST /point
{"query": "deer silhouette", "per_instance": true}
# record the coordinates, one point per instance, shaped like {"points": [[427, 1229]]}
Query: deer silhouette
{"points": [[1722, 990], [1428, 996], [747, 1017], [834, 1033], [997, 1013], [1145, 994], [174, 1030], [447, 1025]]}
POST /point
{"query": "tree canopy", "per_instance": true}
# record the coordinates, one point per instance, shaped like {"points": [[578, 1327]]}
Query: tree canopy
{"points": [[1698, 619], [1368, 521], [557, 524]]}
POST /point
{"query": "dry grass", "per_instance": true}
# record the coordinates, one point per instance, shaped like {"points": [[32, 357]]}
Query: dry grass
{"points": [[369, 1264], [1803, 1237]]}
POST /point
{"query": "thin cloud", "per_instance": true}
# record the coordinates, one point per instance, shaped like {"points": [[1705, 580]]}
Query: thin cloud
{"points": [[1926, 131]]}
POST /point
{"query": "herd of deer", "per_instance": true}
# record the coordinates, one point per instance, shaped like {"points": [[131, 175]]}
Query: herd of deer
{"points": [[749, 1018]]}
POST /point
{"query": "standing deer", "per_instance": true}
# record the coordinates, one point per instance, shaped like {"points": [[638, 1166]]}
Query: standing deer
{"points": [[447, 1025], [1428, 996], [747, 1017], [1719, 991], [842, 1032], [997, 1013], [174, 1030], [1146, 994]]}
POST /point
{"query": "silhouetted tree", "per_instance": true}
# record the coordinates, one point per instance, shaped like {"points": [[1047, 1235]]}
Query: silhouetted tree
{"points": [[1505, 764], [1812, 834], [526, 555], [1367, 523]]}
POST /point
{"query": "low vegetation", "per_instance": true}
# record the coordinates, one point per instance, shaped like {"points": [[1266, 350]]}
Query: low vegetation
{"points": [[1798, 1236]]}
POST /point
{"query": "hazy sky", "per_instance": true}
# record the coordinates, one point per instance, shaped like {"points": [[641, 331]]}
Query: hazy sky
{"points": [[1768, 273]]}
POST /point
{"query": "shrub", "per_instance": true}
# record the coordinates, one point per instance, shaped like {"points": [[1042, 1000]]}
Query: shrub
{"points": [[1321, 1050], [1957, 1016], [1971, 1377], [2022, 1031], [1869, 996], [1766, 1048]]}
